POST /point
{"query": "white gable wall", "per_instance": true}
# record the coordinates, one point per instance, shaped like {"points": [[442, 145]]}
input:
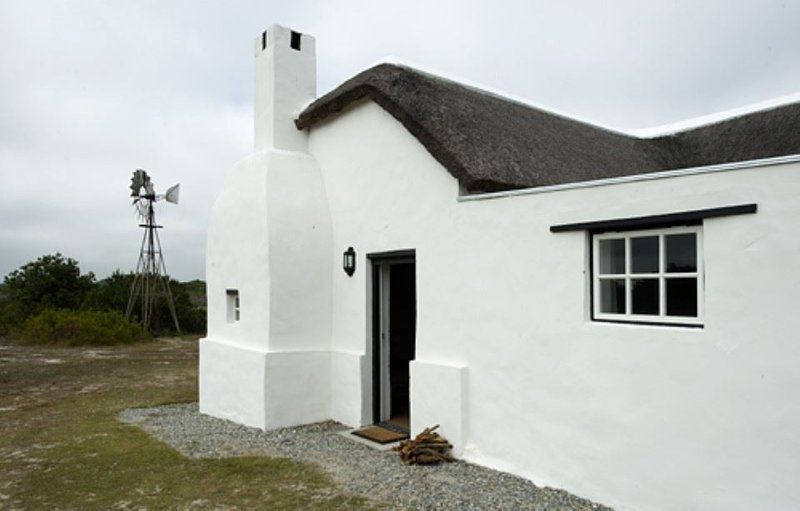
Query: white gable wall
{"points": [[384, 194], [634, 416]]}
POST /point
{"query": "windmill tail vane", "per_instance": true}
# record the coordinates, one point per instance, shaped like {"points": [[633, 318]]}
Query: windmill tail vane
{"points": [[150, 281]]}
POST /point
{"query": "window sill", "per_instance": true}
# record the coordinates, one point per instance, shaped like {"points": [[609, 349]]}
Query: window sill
{"points": [[693, 326]]}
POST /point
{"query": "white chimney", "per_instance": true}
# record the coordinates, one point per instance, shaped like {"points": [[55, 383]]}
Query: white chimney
{"points": [[286, 80]]}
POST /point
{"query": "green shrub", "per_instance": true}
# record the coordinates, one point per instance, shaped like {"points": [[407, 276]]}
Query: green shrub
{"points": [[112, 292], [12, 315], [50, 282], [80, 328], [55, 282]]}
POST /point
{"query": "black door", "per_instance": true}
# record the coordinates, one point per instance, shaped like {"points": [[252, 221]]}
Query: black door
{"points": [[402, 333]]}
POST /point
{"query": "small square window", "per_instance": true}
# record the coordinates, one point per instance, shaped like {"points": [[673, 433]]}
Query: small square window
{"points": [[652, 276], [232, 296]]}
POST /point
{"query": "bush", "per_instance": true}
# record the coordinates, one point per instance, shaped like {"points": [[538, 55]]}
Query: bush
{"points": [[50, 282], [112, 292], [80, 328], [55, 282], [12, 315]]}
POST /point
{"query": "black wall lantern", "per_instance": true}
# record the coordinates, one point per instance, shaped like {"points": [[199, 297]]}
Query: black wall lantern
{"points": [[349, 261]]}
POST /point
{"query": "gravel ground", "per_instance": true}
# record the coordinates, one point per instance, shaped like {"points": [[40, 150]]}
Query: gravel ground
{"points": [[356, 467]]}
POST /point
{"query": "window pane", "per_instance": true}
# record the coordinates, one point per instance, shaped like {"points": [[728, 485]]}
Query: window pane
{"points": [[682, 297], [612, 256], [612, 296], [644, 255], [232, 305], [681, 252], [644, 296]]}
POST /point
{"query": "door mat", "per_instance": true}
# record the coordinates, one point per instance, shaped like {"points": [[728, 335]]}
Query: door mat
{"points": [[380, 434], [391, 426]]}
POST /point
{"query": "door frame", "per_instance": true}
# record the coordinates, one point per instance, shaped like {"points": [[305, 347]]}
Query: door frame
{"points": [[378, 306]]}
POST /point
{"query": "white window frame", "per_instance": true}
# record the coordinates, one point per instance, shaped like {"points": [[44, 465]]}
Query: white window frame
{"points": [[662, 276], [232, 301]]}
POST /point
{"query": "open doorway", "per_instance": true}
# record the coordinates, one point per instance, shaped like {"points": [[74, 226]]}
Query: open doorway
{"points": [[394, 337]]}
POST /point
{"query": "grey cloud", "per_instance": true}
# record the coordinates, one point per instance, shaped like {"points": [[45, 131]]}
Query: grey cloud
{"points": [[90, 90]]}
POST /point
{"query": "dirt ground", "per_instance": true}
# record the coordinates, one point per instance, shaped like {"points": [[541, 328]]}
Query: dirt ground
{"points": [[62, 448]]}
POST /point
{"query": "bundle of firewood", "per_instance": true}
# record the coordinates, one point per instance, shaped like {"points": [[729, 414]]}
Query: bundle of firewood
{"points": [[427, 448]]}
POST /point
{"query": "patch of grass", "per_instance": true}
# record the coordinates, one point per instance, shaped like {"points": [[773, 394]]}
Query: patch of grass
{"points": [[62, 447]]}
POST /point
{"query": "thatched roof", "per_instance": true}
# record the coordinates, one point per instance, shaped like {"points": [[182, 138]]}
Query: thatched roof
{"points": [[491, 143]]}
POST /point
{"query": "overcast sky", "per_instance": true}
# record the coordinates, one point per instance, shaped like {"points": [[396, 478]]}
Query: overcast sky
{"points": [[89, 91]]}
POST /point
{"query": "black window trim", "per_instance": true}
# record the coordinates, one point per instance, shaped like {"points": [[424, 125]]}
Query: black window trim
{"points": [[692, 217]]}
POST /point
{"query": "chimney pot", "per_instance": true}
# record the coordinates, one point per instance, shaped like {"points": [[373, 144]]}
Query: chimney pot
{"points": [[286, 80]]}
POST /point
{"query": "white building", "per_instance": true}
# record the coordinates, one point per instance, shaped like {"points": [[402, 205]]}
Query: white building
{"points": [[613, 315]]}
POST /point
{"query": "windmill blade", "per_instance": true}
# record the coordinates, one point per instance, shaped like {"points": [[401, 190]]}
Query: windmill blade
{"points": [[138, 180], [173, 193]]}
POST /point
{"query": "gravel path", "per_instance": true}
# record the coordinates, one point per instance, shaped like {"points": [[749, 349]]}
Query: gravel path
{"points": [[357, 468]]}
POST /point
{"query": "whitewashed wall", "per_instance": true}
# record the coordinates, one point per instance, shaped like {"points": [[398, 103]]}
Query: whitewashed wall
{"points": [[639, 417], [270, 239]]}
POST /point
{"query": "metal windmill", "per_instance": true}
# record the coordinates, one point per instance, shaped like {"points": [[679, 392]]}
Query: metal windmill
{"points": [[150, 281]]}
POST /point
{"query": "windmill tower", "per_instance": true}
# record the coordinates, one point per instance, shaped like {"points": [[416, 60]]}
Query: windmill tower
{"points": [[150, 283]]}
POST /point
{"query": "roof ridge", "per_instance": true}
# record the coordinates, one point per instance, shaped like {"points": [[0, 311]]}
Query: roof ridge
{"points": [[646, 133], [717, 118], [467, 84], [490, 142]]}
